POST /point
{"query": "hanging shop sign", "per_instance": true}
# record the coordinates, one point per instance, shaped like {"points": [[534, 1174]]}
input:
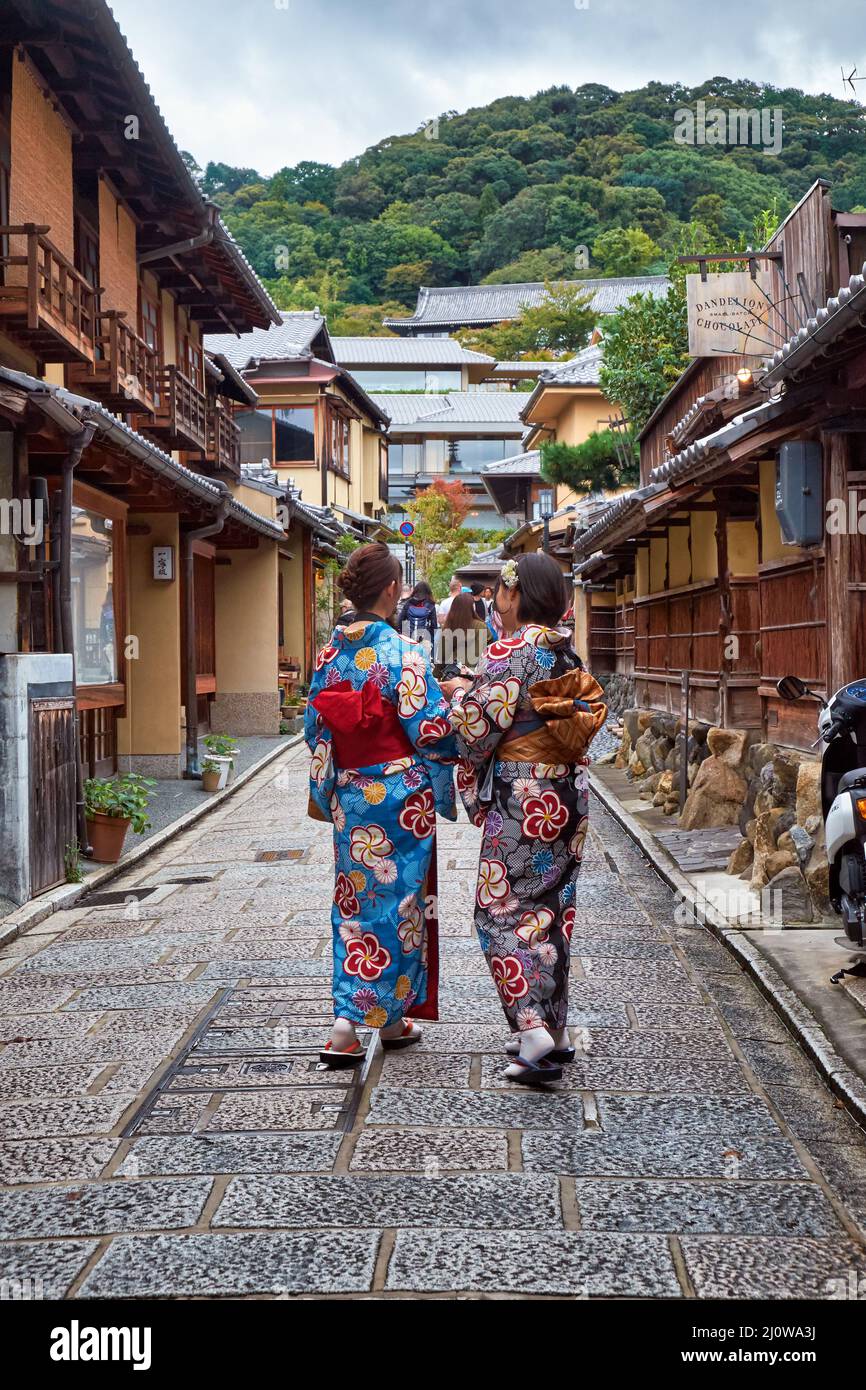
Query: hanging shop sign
{"points": [[730, 314]]}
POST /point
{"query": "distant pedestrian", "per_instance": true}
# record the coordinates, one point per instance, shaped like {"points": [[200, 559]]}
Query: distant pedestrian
{"points": [[454, 588], [417, 617]]}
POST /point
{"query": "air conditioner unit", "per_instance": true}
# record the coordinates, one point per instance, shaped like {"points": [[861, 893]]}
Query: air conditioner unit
{"points": [[800, 492]]}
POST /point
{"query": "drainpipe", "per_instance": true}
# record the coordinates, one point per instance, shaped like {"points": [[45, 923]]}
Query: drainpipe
{"points": [[78, 444], [192, 769]]}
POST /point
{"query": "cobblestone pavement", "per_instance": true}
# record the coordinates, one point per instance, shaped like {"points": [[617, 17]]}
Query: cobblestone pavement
{"points": [[165, 1132]]}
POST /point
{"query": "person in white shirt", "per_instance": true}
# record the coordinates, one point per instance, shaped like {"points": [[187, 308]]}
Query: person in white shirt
{"points": [[454, 588]]}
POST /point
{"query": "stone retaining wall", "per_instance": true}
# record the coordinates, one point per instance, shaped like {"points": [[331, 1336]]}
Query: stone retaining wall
{"points": [[772, 794]]}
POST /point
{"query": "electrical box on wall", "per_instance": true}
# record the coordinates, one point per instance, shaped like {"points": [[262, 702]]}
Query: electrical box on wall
{"points": [[800, 492]]}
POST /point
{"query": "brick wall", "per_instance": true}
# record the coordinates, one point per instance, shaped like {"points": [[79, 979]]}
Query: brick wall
{"points": [[118, 272], [41, 176]]}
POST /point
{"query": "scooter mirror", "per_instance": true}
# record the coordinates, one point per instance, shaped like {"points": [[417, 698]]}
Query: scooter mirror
{"points": [[792, 688]]}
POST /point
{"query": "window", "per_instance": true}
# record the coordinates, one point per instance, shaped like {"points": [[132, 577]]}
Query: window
{"points": [[393, 379], [405, 459], [93, 613], [338, 443], [149, 322], [471, 455], [294, 434], [257, 436], [190, 361], [87, 252], [543, 506], [436, 456]]}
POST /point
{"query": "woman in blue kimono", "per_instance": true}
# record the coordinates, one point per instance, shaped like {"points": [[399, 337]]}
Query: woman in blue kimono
{"points": [[383, 752]]}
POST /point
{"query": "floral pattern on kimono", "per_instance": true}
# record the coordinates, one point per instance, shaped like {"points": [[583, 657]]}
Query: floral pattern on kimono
{"points": [[534, 818], [385, 943]]}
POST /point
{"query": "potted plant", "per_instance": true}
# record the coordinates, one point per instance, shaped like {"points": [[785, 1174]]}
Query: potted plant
{"points": [[222, 749], [213, 775], [112, 805]]}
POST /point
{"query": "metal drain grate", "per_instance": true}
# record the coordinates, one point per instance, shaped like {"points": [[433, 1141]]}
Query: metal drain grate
{"points": [[275, 856], [120, 896]]}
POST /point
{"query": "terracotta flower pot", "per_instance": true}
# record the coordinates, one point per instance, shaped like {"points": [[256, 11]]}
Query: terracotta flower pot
{"points": [[107, 835], [211, 780]]}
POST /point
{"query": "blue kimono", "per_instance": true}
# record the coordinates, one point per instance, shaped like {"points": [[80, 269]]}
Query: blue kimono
{"points": [[378, 728]]}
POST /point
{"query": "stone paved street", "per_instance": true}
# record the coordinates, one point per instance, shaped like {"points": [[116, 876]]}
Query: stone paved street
{"points": [[165, 1132]]}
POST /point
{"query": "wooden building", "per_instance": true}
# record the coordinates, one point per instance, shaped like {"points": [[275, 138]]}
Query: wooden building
{"points": [[700, 573], [152, 575]]}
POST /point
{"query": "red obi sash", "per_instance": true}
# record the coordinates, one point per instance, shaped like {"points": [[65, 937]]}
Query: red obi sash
{"points": [[365, 729]]}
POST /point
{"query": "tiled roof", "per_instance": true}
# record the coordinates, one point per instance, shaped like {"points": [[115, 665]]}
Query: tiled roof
{"points": [[841, 312], [582, 370], [294, 337], [454, 408], [445, 352], [520, 466], [480, 304]]}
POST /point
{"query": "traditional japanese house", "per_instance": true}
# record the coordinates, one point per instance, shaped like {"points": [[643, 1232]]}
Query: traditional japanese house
{"points": [[709, 574], [149, 604], [441, 311]]}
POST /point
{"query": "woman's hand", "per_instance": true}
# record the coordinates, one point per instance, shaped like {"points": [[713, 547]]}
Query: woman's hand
{"points": [[450, 688]]}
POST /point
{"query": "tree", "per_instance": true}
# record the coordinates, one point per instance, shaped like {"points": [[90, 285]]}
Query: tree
{"points": [[646, 349], [561, 324], [604, 462], [438, 514], [625, 251]]}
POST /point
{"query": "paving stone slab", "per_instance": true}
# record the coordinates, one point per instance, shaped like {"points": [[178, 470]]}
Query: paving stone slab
{"points": [[61, 1051], [96, 1115], [676, 1019], [213, 1266], [290, 1110], [263, 971], [206, 1071], [446, 1203], [62, 959], [814, 1114], [759, 1268], [144, 996], [412, 1068], [45, 1026], [757, 1021], [54, 1160], [780, 1063], [635, 1155], [622, 948], [132, 975], [842, 1164], [705, 952], [33, 995], [126, 1023], [408, 1106], [40, 1270], [647, 1074], [174, 1115], [733, 1118], [38, 1083], [593, 1043], [229, 953], [576, 1264], [735, 1207], [103, 1208], [430, 1152], [232, 1153]]}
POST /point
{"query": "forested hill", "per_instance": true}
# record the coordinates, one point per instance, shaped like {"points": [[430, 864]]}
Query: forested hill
{"points": [[509, 191]]}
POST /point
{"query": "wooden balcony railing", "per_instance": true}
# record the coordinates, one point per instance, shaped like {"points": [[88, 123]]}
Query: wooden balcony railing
{"points": [[125, 373], [45, 303], [223, 441], [180, 416]]}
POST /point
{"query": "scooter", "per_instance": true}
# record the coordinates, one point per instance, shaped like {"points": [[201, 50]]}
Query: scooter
{"points": [[842, 734]]}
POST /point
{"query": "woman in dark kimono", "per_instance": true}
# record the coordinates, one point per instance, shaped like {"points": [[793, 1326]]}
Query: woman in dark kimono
{"points": [[523, 728]]}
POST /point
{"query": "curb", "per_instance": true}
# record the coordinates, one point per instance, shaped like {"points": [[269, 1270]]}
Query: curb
{"points": [[70, 894], [800, 1022]]}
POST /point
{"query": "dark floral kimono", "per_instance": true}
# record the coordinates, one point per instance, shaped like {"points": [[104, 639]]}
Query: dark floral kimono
{"points": [[523, 779]]}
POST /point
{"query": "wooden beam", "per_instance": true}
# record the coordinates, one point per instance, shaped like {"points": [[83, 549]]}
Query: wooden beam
{"points": [[837, 453]]}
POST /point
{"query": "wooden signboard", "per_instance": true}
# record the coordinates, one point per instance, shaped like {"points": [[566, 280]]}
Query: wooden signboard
{"points": [[728, 314]]}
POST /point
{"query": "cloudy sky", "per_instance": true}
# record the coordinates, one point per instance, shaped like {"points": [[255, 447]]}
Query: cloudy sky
{"points": [[265, 83]]}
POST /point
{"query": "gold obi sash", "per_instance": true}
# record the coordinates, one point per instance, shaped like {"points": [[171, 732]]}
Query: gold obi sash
{"points": [[562, 730]]}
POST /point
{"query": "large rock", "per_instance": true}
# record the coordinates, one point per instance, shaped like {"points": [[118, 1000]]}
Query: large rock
{"points": [[728, 745], [798, 841], [765, 845], [786, 768], [787, 897], [741, 857], [716, 796], [630, 720], [660, 749], [777, 861], [759, 755], [808, 794], [643, 749], [817, 873], [664, 789]]}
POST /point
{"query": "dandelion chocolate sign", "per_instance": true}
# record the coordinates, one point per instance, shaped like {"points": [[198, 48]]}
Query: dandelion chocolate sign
{"points": [[729, 313]]}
